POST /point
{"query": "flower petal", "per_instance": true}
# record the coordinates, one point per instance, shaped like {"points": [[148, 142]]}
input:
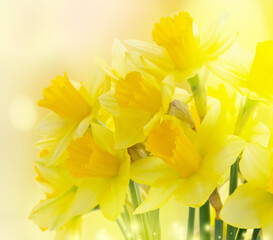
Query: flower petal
{"points": [[212, 34], [152, 52], [256, 132], [53, 213], [103, 137], [233, 66], [109, 103], [246, 206], [118, 57], [159, 194], [149, 170], [114, 195], [88, 195], [256, 164], [129, 127], [267, 224], [212, 128], [71, 231], [222, 156], [196, 190]]}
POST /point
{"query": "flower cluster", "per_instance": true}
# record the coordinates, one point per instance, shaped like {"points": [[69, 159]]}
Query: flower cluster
{"points": [[180, 117]]}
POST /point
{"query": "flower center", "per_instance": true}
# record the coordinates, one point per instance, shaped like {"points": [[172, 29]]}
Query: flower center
{"points": [[175, 34], [169, 142], [87, 159], [62, 98], [134, 92]]}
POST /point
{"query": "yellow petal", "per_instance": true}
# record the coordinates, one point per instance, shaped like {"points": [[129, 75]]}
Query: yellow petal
{"points": [[96, 86], [256, 132], [222, 46], [53, 213], [105, 67], [267, 225], [260, 78], [256, 164], [233, 66], [196, 190], [114, 195], [151, 169], [210, 37], [222, 156], [52, 124], [159, 194], [118, 58], [71, 230], [151, 51], [211, 129], [175, 34], [54, 180], [60, 141], [103, 137], [88, 195], [109, 103], [62, 98], [129, 127], [246, 207], [211, 43]]}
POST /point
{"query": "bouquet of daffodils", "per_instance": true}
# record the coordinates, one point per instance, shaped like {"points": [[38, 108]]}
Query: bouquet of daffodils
{"points": [[181, 117]]}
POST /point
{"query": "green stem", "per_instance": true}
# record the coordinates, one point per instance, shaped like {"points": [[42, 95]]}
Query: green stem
{"points": [[204, 221], [241, 234], [255, 234], [126, 220], [191, 218], [231, 231], [218, 234], [122, 229], [141, 219], [155, 224]]}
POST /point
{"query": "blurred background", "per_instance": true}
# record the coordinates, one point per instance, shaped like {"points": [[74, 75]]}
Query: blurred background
{"points": [[40, 39]]}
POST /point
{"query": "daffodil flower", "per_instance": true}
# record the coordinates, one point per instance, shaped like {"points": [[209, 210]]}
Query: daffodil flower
{"points": [[186, 164], [255, 130], [92, 174], [179, 49], [136, 104], [72, 109], [251, 205], [252, 75]]}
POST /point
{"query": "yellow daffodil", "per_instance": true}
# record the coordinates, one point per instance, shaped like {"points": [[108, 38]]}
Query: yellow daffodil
{"points": [[179, 49], [255, 130], [136, 104], [186, 164], [72, 106], [252, 75], [123, 62], [92, 174], [251, 205]]}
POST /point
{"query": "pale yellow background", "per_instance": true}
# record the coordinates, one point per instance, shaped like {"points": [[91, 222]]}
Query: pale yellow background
{"points": [[42, 38]]}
